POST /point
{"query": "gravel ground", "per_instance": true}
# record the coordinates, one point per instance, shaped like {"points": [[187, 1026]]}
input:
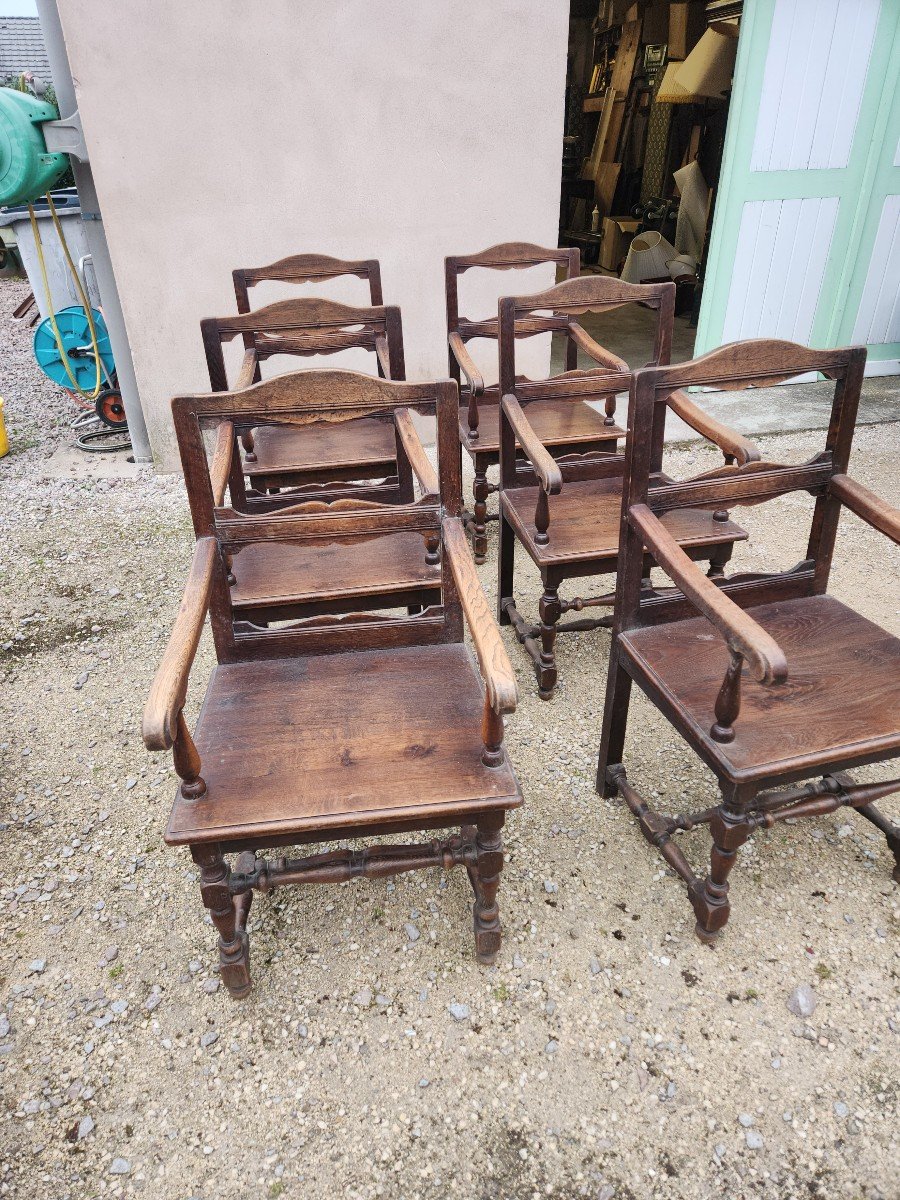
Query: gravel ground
{"points": [[608, 1055]]}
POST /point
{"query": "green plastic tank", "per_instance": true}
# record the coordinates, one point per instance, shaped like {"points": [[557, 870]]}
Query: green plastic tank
{"points": [[26, 169]]}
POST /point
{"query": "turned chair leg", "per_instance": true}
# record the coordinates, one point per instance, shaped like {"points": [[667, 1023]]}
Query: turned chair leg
{"points": [[234, 942], [485, 878], [615, 723], [889, 829], [550, 612], [480, 491], [506, 556], [709, 897]]}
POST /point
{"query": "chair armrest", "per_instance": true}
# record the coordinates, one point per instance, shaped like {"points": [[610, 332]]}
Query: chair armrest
{"points": [[169, 688], [871, 508], [594, 350], [220, 468], [466, 364], [729, 441], [383, 353], [415, 452], [493, 661], [249, 364], [742, 634], [541, 459]]}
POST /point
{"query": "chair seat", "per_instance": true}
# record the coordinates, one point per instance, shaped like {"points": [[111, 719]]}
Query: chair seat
{"points": [[584, 522], [841, 700], [272, 576], [340, 742], [366, 445], [556, 423]]}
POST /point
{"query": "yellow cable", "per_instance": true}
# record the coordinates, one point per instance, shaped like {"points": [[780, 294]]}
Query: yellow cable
{"points": [[76, 386]]}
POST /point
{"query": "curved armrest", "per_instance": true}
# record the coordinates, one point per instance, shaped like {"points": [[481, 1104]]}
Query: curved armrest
{"points": [[594, 350], [871, 508], [742, 634], [169, 688], [496, 669], [220, 468], [415, 452], [466, 364], [249, 364], [541, 459], [728, 440], [383, 354]]}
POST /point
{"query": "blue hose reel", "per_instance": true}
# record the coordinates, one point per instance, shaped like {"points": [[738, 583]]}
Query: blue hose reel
{"points": [[75, 333]]}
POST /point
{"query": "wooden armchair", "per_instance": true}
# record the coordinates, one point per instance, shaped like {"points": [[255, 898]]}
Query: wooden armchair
{"points": [[561, 427], [566, 511], [307, 268], [775, 682], [333, 726], [317, 456]]}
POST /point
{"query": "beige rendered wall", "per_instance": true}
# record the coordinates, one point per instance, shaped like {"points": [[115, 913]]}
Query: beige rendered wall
{"points": [[224, 133]]}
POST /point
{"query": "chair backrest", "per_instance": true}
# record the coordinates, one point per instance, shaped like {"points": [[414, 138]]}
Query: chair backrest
{"points": [[307, 268], [735, 367], [306, 326], [557, 309], [508, 256], [297, 399]]}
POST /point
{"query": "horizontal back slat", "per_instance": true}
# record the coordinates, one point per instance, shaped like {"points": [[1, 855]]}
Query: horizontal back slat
{"points": [[750, 484], [300, 313], [508, 256], [329, 522], [762, 362], [297, 268], [592, 293]]}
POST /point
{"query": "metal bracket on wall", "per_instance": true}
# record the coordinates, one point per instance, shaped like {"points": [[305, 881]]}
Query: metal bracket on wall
{"points": [[66, 136]]}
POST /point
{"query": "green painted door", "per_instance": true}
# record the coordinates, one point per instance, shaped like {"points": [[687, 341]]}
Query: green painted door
{"points": [[805, 243]]}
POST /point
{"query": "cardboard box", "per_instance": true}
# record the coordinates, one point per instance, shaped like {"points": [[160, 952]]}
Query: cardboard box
{"points": [[617, 235]]}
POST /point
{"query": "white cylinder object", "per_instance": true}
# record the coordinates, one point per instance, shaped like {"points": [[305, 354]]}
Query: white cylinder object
{"points": [[647, 257]]}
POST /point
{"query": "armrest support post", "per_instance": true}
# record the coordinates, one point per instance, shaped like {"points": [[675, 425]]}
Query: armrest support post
{"points": [[728, 701]]}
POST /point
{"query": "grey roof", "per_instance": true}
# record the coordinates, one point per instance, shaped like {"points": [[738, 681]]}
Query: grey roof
{"points": [[22, 48]]}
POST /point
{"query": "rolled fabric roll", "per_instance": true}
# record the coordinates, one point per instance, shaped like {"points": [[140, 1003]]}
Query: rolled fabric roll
{"points": [[690, 228], [647, 257]]}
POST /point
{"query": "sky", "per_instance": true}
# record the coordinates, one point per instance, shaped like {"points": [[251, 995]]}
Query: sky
{"points": [[18, 8]]}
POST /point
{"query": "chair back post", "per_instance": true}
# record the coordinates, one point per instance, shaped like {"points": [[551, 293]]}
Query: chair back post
{"points": [[839, 442], [506, 310], [639, 452]]}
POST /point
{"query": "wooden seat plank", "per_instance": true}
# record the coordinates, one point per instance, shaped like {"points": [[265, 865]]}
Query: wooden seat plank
{"points": [[339, 741]]}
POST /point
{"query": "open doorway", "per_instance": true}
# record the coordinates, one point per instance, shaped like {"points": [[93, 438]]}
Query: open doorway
{"points": [[647, 99]]}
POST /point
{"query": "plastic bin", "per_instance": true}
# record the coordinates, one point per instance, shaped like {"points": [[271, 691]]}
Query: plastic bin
{"points": [[62, 285]]}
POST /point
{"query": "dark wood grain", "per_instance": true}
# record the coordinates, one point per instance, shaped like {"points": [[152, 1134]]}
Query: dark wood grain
{"points": [[776, 682], [344, 703]]}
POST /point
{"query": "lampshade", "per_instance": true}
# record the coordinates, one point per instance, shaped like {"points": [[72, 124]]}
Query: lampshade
{"points": [[708, 68], [647, 257], [690, 230], [669, 91], [681, 265]]}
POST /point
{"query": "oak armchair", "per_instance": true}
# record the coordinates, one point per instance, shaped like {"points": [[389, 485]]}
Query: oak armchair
{"points": [[561, 427], [317, 457], [774, 682], [565, 511], [333, 726]]}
